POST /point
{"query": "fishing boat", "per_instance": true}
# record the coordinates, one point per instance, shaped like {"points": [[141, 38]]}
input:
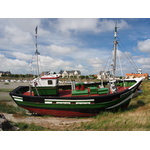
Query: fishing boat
{"points": [[44, 95]]}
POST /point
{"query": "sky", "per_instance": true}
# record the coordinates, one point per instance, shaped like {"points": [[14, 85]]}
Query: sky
{"points": [[83, 44]]}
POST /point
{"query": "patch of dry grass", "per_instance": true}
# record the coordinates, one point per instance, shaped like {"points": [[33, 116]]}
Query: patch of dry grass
{"points": [[135, 118]]}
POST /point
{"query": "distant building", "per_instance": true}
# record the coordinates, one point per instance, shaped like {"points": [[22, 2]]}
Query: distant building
{"points": [[70, 73], [139, 74], [47, 73], [103, 75], [5, 73], [136, 75], [139, 71]]}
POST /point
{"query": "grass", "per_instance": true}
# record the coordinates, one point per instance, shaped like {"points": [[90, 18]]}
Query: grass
{"points": [[28, 127], [5, 90], [10, 109], [7, 105], [134, 118], [117, 122]]}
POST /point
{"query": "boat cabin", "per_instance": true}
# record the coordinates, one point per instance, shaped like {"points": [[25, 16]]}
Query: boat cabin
{"points": [[45, 85]]}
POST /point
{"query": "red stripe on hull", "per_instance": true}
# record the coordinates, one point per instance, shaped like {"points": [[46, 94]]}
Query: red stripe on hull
{"points": [[59, 113]]}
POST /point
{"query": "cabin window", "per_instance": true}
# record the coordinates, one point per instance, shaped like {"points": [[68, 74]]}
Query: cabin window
{"points": [[50, 82]]}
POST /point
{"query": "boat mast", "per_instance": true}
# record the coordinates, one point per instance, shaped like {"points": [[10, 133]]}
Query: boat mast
{"points": [[115, 51], [36, 52]]}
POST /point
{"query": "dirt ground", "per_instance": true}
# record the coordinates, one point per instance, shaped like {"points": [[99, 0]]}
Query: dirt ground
{"points": [[47, 122], [12, 85], [54, 123]]}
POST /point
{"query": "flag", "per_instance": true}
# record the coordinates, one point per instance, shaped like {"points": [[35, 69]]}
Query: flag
{"points": [[37, 53], [36, 29]]}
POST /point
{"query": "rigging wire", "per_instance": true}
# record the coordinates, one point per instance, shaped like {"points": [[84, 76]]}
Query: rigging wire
{"points": [[128, 56], [107, 62], [32, 65], [121, 70]]}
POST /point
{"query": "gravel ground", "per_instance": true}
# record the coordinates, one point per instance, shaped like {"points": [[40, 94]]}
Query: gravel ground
{"points": [[54, 123], [12, 85], [6, 87]]}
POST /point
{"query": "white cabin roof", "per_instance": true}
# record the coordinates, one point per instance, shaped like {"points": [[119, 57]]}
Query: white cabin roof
{"points": [[54, 76]]}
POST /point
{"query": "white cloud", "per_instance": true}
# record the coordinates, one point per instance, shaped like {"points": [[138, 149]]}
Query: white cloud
{"points": [[66, 25], [144, 46], [16, 38], [17, 34], [61, 49], [144, 64], [21, 65], [108, 25], [22, 56], [13, 65], [51, 64], [94, 25], [23, 24], [94, 60], [146, 68], [144, 61], [61, 52], [96, 64], [83, 69]]}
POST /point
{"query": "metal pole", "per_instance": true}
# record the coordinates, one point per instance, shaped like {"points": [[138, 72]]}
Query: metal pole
{"points": [[37, 53], [115, 52]]}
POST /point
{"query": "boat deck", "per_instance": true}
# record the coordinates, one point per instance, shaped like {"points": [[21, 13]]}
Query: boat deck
{"points": [[68, 93]]}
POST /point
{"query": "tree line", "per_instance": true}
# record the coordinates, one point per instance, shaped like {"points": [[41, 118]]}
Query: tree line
{"points": [[18, 75], [31, 76]]}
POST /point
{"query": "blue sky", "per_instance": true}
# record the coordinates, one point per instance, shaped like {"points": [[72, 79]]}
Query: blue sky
{"points": [[83, 44]]}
